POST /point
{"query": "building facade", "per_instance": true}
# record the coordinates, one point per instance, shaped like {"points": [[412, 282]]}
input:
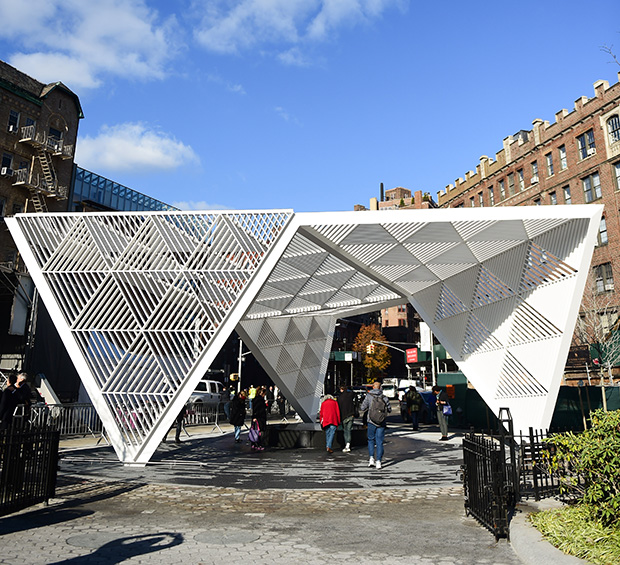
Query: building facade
{"points": [[38, 132], [574, 160]]}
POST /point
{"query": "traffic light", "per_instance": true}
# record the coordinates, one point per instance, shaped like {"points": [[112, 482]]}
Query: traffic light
{"points": [[370, 348]]}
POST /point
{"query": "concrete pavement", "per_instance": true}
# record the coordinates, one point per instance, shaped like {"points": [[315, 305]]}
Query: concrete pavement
{"points": [[210, 500]]}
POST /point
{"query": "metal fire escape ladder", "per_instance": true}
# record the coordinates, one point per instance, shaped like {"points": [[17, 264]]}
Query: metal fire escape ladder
{"points": [[49, 173], [38, 201]]}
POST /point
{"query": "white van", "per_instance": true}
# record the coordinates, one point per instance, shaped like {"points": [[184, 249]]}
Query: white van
{"points": [[389, 390], [207, 392]]}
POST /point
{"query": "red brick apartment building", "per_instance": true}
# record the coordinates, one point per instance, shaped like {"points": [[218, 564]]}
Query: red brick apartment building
{"points": [[575, 160]]}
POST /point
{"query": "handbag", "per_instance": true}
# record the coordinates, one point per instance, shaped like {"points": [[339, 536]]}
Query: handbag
{"points": [[447, 410], [254, 433]]}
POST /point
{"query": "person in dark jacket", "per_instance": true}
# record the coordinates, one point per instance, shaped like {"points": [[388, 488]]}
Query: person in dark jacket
{"points": [[11, 397], [259, 415], [346, 403], [376, 430], [414, 403], [442, 400], [237, 414]]}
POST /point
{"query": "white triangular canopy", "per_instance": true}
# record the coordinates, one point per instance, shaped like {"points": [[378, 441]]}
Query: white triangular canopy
{"points": [[144, 301]]}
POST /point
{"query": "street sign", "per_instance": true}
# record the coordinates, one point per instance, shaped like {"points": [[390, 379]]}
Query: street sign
{"points": [[412, 355]]}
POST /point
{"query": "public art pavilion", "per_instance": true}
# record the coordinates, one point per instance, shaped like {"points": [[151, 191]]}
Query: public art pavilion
{"points": [[144, 301]]}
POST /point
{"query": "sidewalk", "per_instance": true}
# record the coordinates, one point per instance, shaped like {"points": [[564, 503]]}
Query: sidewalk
{"points": [[209, 500]]}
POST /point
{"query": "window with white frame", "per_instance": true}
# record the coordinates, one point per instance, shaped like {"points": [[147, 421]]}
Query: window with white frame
{"points": [[534, 172], [13, 124], [613, 129], [481, 199], [511, 184], [616, 173], [585, 144], [562, 152], [472, 202], [602, 232], [521, 180], [502, 189], [567, 197], [603, 278], [549, 159], [607, 320], [491, 196], [591, 187], [553, 198]]}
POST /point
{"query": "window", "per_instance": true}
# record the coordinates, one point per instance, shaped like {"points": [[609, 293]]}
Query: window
{"points": [[537, 202], [591, 187], [511, 184], [616, 173], [562, 151], [492, 196], [549, 158], [602, 232], [613, 129], [18, 208], [521, 181], [553, 198], [585, 144], [481, 199], [502, 189], [534, 172], [604, 278], [7, 160], [567, 198], [2, 207], [472, 202], [13, 121]]}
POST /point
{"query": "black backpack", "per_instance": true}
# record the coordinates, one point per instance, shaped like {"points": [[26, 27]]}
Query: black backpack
{"points": [[378, 410]]}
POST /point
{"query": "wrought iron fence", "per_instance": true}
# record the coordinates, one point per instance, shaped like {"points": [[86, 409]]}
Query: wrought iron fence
{"points": [[28, 467]]}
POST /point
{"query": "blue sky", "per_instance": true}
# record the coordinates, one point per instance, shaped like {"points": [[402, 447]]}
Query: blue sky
{"points": [[305, 104]]}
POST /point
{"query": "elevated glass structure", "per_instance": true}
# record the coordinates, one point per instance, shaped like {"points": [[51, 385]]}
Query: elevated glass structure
{"points": [[92, 190]]}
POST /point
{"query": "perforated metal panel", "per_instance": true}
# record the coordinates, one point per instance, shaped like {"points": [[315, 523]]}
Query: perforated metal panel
{"points": [[144, 301]]}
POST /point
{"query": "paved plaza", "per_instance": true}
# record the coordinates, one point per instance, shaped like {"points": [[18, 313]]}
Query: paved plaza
{"points": [[210, 500]]}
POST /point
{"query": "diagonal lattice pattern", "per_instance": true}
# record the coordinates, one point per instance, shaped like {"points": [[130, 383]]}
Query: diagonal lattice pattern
{"points": [[144, 301]]}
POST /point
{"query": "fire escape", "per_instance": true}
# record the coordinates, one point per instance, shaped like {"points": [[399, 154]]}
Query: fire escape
{"points": [[44, 182]]}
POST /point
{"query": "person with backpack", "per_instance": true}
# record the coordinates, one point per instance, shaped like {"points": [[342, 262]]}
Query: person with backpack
{"points": [[378, 407]]}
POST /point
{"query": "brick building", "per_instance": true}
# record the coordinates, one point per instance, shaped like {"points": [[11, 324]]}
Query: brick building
{"points": [[38, 132], [574, 160]]}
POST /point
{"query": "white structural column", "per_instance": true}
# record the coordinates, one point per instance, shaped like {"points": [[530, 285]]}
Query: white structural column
{"points": [[145, 301]]}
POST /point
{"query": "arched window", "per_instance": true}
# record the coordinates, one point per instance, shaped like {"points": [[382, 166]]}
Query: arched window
{"points": [[613, 128]]}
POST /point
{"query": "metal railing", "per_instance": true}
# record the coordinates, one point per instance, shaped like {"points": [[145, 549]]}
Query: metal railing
{"points": [[67, 419], [28, 467]]}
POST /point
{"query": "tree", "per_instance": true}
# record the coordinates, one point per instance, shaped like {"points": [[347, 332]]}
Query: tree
{"points": [[377, 361], [597, 325]]}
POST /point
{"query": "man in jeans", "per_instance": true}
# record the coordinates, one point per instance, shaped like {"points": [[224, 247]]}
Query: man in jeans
{"points": [[346, 403], [376, 429]]}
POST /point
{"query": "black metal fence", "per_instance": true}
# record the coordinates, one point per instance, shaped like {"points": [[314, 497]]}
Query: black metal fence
{"points": [[501, 468], [28, 467]]}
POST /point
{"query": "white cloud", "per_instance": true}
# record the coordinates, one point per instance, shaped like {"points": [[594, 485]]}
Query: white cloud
{"points": [[78, 42], [283, 113], [198, 205], [133, 147], [231, 27]]}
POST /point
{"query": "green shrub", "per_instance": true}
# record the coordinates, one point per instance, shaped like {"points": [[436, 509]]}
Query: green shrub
{"points": [[588, 464]]}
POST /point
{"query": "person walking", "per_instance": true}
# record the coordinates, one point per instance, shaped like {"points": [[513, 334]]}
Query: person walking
{"points": [[330, 418], [281, 403], [259, 416], [225, 399], [346, 404], [414, 402], [269, 398], [237, 414], [443, 405], [378, 406]]}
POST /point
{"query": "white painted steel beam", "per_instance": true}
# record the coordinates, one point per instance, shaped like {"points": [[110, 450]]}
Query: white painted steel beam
{"points": [[144, 301]]}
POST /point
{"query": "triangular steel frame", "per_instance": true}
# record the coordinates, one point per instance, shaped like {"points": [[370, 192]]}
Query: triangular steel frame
{"points": [[144, 301]]}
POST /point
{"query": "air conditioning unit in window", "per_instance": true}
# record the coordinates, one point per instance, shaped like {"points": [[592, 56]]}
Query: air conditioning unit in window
{"points": [[534, 179], [6, 172], [591, 151], [12, 128]]}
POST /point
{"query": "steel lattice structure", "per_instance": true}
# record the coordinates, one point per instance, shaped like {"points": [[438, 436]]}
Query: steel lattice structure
{"points": [[144, 301]]}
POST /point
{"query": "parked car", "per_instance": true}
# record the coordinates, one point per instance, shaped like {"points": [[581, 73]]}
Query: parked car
{"points": [[207, 392], [428, 414], [390, 391]]}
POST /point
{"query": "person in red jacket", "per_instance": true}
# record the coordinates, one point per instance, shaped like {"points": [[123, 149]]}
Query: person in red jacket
{"points": [[330, 418]]}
